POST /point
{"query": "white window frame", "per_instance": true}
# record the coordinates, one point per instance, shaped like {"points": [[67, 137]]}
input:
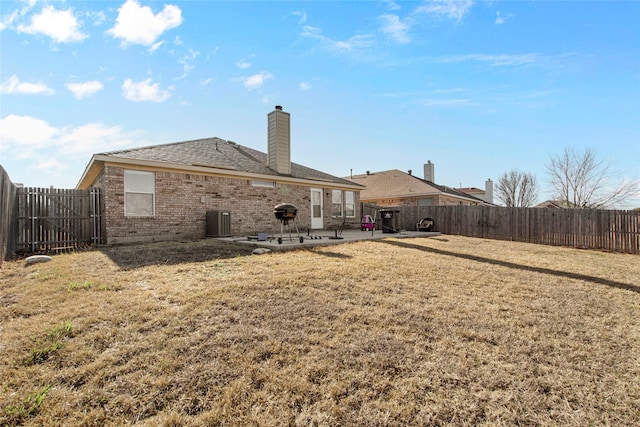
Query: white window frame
{"points": [[350, 205], [337, 209], [139, 183]]}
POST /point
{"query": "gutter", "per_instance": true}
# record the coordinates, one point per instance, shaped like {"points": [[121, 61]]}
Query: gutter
{"points": [[211, 170]]}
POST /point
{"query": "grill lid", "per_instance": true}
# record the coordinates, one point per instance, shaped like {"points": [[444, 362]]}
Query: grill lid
{"points": [[285, 211]]}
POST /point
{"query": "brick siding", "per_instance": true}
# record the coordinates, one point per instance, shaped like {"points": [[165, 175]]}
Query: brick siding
{"points": [[182, 201]]}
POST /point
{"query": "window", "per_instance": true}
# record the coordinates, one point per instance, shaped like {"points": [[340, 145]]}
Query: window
{"points": [[336, 203], [139, 193], [350, 204], [343, 207]]}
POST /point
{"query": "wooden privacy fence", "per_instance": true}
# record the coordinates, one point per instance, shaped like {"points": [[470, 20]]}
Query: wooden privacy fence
{"points": [[8, 218], [57, 219], [611, 230]]}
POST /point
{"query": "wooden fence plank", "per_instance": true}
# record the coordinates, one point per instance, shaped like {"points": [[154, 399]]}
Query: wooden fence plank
{"points": [[611, 230]]}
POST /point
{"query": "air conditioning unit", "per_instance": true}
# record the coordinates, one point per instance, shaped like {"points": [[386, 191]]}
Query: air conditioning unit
{"points": [[218, 224]]}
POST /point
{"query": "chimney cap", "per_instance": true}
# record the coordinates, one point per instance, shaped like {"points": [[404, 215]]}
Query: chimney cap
{"points": [[279, 107]]}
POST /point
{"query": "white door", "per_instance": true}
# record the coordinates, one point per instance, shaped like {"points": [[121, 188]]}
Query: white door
{"points": [[316, 208]]}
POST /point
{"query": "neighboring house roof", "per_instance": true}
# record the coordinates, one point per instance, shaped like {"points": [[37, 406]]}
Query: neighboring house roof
{"points": [[557, 204], [394, 183], [210, 155], [471, 190]]}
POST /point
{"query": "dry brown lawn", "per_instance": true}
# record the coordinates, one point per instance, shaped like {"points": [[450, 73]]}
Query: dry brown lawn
{"points": [[424, 331]]}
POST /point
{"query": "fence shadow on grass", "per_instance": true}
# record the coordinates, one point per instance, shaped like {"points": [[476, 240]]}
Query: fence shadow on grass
{"points": [[567, 274], [133, 256], [329, 254]]}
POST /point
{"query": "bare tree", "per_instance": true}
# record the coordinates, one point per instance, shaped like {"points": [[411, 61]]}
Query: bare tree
{"points": [[580, 179], [517, 189]]}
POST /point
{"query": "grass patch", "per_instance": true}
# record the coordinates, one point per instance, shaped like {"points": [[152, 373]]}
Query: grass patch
{"points": [[80, 285], [49, 343], [17, 415], [448, 331]]}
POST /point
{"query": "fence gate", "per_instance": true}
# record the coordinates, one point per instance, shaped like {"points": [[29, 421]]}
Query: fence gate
{"points": [[57, 219]]}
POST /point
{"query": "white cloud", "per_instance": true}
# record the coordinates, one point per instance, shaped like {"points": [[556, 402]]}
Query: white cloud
{"points": [[395, 28], [187, 62], [98, 17], [7, 20], [85, 89], [85, 140], [47, 151], [257, 80], [25, 133], [305, 85], [495, 60], [356, 42], [501, 19], [50, 164], [391, 5], [302, 14], [139, 25], [144, 91], [61, 25], [452, 9], [243, 64], [155, 46], [13, 85], [443, 102]]}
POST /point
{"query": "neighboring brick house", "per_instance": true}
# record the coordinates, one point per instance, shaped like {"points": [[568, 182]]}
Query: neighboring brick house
{"points": [[163, 192], [396, 188]]}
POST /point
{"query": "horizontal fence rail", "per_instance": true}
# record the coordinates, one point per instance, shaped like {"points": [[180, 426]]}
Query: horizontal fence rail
{"points": [[57, 219], [611, 230]]}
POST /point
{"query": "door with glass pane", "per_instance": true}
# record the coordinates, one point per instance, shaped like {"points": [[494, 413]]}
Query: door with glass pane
{"points": [[316, 208]]}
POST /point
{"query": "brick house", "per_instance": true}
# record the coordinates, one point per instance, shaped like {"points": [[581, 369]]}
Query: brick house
{"points": [[394, 188], [164, 192]]}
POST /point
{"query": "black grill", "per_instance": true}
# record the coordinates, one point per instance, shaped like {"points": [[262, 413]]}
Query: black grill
{"points": [[285, 212]]}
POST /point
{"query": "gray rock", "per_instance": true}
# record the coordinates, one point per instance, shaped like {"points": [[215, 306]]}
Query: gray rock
{"points": [[260, 251], [37, 258]]}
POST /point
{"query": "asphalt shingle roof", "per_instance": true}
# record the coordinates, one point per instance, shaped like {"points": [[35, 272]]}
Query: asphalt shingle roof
{"points": [[394, 183], [218, 153]]}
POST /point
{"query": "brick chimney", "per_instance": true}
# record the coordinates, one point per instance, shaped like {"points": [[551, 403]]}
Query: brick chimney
{"points": [[488, 191], [429, 171], [279, 138]]}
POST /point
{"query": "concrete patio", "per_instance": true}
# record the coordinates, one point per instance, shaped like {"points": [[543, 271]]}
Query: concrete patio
{"points": [[321, 238]]}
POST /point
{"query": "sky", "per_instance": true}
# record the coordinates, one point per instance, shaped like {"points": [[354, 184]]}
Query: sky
{"points": [[479, 88]]}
